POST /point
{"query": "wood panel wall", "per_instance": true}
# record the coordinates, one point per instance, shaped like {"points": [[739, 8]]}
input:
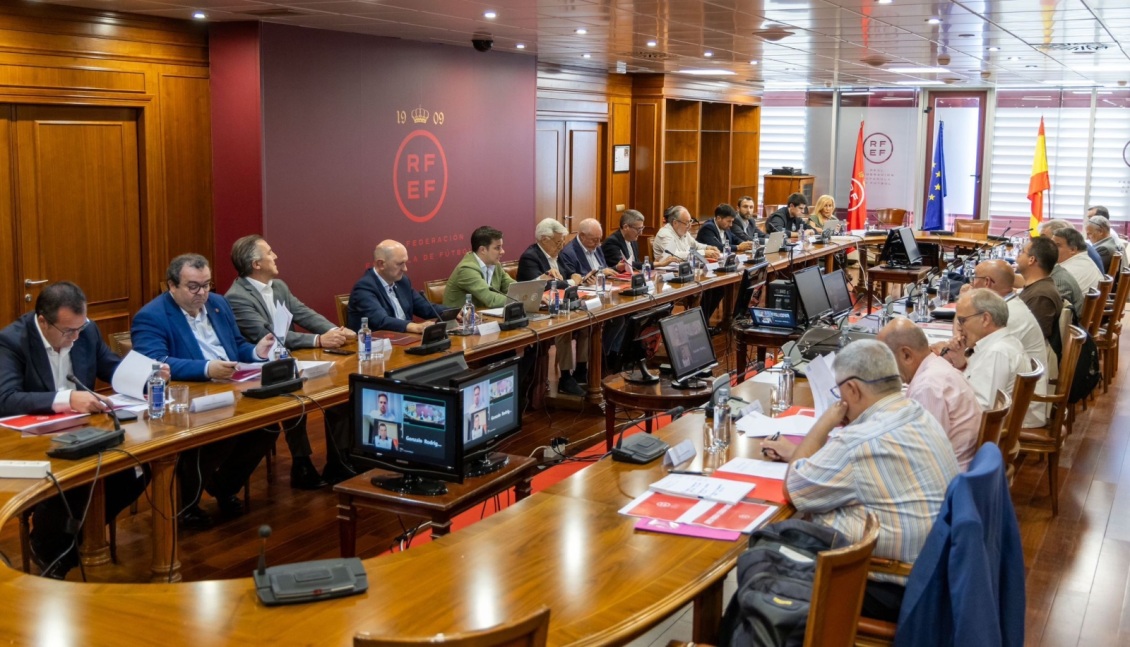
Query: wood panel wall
{"points": [[54, 55]]}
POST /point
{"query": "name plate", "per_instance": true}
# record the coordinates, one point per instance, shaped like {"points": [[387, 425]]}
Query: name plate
{"points": [[209, 402], [592, 304], [678, 454], [491, 328]]}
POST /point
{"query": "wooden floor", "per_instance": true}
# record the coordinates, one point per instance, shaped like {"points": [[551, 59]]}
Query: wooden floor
{"points": [[1078, 582]]}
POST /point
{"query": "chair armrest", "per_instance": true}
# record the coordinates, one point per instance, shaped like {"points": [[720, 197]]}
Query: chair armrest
{"points": [[870, 628], [1050, 399], [889, 566]]}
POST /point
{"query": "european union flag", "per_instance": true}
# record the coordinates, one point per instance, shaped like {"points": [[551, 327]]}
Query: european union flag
{"points": [[936, 190]]}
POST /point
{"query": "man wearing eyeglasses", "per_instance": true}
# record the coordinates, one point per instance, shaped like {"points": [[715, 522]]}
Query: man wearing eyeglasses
{"points": [[877, 451], [584, 258], [196, 331], [37, 354], [622, 249], [674, 239]]}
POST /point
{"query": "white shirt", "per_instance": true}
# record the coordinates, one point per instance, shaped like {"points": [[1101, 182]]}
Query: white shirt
{"points": [[206, 336], [488, 270], [552, 260], [398, 309], [668, 243], [1083, 270], [1023, 325], [267, 291], [60, 362], [593, 260], [996, 360]]}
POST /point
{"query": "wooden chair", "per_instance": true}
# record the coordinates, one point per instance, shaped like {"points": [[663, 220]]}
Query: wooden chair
{"points": [[969, 228], [511, 268], [1096, 319], [992, 420], [1023, 390], [837, 592], [1115, 264], [121, 343], [890, 218], [435, 289], [342, 302], [1107, 339], [531, 631], [1090, 306], [1048, 439]]}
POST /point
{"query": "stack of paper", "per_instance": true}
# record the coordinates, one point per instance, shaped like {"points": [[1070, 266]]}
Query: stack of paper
{"points": [[702, 487], [668, 512], [821, 381], [768, 477], [758, 425]]}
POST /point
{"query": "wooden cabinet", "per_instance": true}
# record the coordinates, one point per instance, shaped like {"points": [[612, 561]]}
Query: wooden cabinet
{"points": [[778, 188], [690, 151]]}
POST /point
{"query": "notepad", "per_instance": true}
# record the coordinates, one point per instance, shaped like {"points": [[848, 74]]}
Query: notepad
{"points": [[702, 487]]}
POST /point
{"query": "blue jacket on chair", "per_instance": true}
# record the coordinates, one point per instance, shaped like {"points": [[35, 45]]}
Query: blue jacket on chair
{"points": [[967, 585]]}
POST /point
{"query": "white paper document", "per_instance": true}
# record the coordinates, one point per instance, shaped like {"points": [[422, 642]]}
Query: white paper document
{"points": [[756, 425], [703, 487], [314, 369], [754, 467], [132, 374], [821, 381], [281, 324], [121, 401]]}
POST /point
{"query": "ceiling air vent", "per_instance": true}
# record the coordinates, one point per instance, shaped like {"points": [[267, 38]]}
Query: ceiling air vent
{"points": [[1074, 47], [649, 55], [773, 32]]}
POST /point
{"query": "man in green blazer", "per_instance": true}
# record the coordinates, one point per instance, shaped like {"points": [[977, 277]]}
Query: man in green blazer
{"points": [[480, 273]]}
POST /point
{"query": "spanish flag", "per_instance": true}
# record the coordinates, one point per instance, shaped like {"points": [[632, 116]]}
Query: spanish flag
{"points": [[1039, 182]]}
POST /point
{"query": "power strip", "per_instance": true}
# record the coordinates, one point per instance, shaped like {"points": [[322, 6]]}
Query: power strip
{"points": [[24, 469]]}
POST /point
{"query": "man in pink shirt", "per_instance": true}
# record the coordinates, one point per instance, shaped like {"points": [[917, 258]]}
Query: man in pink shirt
{"points": [[940, 388]]}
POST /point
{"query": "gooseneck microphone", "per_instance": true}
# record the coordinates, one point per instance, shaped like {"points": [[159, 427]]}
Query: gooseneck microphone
{"points": [[264, 533], [109, 405]]}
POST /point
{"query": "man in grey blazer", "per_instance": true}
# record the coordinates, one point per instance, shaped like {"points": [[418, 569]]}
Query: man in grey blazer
{"points": [[253, 298]]}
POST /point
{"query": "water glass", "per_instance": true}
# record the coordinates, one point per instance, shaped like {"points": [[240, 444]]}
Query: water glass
{"points": [[177, 395]]}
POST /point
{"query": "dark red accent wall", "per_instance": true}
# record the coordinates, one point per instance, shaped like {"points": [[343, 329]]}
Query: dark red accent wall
{"points": [[340, 123], [237, 144]]}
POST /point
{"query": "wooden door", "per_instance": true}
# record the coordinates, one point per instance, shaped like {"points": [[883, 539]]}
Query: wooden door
{"points": [[78, 209], [568, 163]]}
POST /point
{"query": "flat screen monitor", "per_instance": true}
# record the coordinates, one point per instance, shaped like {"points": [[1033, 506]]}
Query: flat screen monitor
{"points": [[810, 291], [490, 413], [836, 286], [409, 428], [437, 371], [642, 328], [910, 245], [901, 249], [688, 347], [752, 278]]}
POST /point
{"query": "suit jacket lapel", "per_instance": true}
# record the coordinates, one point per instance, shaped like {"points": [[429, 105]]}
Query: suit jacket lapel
{"points": [[257, 297], [38, 355], [181, 330]]}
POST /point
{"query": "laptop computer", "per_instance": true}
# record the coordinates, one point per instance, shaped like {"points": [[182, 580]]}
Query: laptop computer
{"points": [[771, 320], [529, 294], [776, 240], [834, 226]]}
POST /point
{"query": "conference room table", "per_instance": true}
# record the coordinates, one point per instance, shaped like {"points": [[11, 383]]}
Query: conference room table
{"points": [[566, 547]]}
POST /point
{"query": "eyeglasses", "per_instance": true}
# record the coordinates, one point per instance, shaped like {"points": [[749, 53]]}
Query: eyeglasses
{"points": [[638, 227], [961, 320], [986, 279], [197, 288], [685, 223], [69, 332], [835, 390]]}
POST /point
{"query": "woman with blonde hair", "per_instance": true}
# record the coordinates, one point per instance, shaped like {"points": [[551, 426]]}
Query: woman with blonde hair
{"points": [[824, 209]]}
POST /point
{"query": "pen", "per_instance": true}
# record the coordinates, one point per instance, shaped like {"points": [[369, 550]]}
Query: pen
{"points": [[690, 472]]}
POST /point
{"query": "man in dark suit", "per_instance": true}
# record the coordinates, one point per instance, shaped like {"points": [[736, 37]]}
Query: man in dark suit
{"points": [[539, 262], [253, 298], [622, 248], [584, 258], [791, 217], [745, 220], [37, 353], [384, 294], [196, 331], [722, 224]]}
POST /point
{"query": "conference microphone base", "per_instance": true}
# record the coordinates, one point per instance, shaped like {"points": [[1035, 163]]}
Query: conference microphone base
{"points": [[310, 581], [639, 449]]}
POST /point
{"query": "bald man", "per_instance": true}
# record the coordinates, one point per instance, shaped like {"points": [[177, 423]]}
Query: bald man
{"points": [[997, 275], [384, 294], [583, 256], [933, 383]]}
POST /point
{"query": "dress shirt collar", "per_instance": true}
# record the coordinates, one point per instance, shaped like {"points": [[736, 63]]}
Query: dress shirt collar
{"points": [[384, 284], [876, 408], [42, 337], [60, 361], [263, 288], [991, 339], [487, 270]]}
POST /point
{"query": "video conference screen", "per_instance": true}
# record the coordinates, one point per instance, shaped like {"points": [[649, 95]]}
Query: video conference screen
{"points": [[490, 404], [401, 422], [688, 342]]}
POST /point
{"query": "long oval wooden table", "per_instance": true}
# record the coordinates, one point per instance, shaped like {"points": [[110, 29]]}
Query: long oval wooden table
{"points": [[566, 547]]}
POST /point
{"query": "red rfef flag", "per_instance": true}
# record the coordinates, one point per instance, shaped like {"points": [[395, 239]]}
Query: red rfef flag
{"points": [[857, 201], [1039, 182]]}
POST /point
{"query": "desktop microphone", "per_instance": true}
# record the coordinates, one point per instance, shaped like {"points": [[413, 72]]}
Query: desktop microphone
{"points": [[264, 532], [109, 405], [497, 291], [436, 311], [642, 448]]}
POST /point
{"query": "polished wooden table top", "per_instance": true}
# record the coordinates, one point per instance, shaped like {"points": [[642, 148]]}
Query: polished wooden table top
{"points": [[566, 547]]}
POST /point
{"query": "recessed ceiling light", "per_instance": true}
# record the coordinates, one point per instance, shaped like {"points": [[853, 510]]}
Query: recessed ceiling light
{"points": [[884, 1], [651, 43], [856, 94], [934, 21], [580, 32], [1014, 58], [913, 69], [754, 62], [1031, 67], [708, 54], [586, 55], [490, 15], [994, 49], [521, 46], [199, 15], [709, 72]]}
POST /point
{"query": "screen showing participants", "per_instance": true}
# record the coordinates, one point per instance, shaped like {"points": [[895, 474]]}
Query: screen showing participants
{"points": [[409, 425], [489, 407]]}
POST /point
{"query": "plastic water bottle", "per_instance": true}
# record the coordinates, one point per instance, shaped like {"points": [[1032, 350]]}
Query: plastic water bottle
{"points": [[156, 394], [554, 299], [922, 304], [725, 247], [722, 418], [601, 282], [845, 339], [646, 269], [468, 313], [364, 341], [944, 290], [785, 384]]}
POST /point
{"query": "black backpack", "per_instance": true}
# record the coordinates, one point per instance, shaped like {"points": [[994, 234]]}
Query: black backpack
{"points": [[775, 576], [1087, 373]]}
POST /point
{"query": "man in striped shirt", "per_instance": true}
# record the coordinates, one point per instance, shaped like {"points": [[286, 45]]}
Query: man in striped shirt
{"points": [[872, 451]]}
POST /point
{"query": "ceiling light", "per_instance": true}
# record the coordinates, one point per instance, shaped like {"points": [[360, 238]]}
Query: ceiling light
{"points": [[586, 55], [1031, 67], [580, 32], [934, 21], [917, 70], [754, 62], [919, 82], [1014, 58], [490, 15], [710, 72], [782, 85], [994, 49], [896, 99], [856, 94], [199, 15], [708, 54], [651, 43], [884, 1], [521, 46]]}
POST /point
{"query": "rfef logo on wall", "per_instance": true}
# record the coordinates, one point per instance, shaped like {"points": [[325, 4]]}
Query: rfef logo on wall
{"points": [[878, 148], [1126, 153], [419, 175]]}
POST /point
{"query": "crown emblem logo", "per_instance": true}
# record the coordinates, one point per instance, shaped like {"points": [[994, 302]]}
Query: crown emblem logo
{"points": [[420, 115]]}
